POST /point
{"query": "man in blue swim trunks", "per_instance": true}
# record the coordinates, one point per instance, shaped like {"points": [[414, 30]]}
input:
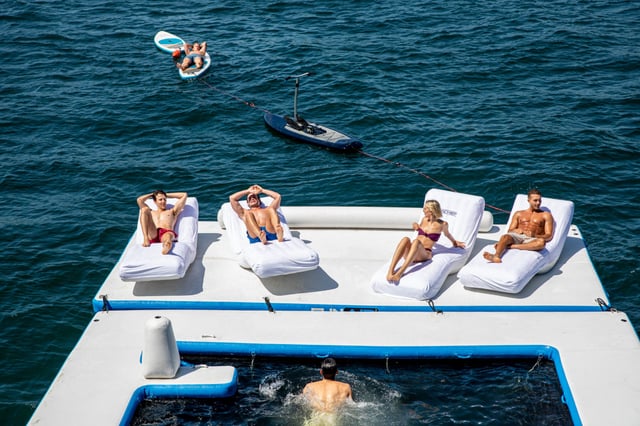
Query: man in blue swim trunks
{"points": [[193, 55], [262, 222]]}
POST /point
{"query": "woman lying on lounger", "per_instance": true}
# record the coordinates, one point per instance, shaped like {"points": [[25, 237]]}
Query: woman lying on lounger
{"points": [[420, 249]]}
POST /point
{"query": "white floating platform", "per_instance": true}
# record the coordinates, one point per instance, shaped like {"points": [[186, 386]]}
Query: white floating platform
{"points": [[348, 260], [597, 354], [219, 308]]}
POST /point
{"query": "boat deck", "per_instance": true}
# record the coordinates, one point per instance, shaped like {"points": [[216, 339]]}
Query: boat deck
{"points": [[348, 260]]}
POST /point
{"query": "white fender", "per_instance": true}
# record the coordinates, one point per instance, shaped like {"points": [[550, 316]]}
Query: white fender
{"points": [[160, 357], [486, 223]]}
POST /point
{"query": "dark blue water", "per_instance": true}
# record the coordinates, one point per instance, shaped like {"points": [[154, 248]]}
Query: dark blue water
{"points": [[489, 98]]}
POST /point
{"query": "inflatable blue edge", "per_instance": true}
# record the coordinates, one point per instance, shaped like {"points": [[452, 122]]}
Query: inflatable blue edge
{"points": [[100, 304], [168, 391], [354, 352]]}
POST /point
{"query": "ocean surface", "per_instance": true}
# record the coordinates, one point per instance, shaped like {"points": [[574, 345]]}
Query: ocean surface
{"points": [[486, 97]]}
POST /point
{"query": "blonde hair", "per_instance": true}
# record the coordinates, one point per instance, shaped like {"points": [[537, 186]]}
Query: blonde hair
{"points": [[434, 207]]}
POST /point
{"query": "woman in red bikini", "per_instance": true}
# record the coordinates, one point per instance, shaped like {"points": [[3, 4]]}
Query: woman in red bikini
{"points": [[420, 249]]}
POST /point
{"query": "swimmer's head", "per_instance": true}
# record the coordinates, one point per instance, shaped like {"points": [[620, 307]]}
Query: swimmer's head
{"points": [[329, 368], [176, 54]]}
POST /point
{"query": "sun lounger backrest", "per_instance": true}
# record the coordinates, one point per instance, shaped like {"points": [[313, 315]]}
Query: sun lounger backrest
{"points": [[463, 212]]}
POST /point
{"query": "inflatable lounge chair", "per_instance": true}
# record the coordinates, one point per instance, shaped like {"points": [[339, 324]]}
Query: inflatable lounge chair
{"points": [[267, 260], [148, 263], [423, 280], [519, 266]]}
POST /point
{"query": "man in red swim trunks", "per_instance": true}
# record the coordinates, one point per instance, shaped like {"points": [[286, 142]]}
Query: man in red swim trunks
{"points": [[529, 229], [157, 225]]}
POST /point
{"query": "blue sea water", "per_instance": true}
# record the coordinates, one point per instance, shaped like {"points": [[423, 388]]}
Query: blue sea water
{"points": [[488, 98]]}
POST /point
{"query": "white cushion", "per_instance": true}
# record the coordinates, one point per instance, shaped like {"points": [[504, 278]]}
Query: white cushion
{"points": [[272, 259], [519, 266], [423, 280], [148, 263]]}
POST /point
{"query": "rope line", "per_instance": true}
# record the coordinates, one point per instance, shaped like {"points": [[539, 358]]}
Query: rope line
{"points": [[424, 175], [366, 154], [231, 95]]}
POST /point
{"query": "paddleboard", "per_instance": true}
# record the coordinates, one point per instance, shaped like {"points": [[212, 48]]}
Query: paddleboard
{"points": [[192, 71], [168, 42]]}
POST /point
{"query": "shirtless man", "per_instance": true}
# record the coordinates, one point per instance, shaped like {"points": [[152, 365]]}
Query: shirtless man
{"points": [[263, 223], [193, 56], [157, 225], [529, 229], [327, 395]]}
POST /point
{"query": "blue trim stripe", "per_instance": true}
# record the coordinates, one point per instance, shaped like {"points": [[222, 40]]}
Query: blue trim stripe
{"points": [[125, 305]]}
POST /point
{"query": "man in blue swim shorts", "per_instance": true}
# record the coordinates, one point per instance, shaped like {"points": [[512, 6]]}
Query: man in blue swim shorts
{"points": [[193, 55], [262, 222]]}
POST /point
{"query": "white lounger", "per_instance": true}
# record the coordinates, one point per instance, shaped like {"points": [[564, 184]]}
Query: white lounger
{"points": [[519, 266], [148, 263], [267, 260], [423, 280]]}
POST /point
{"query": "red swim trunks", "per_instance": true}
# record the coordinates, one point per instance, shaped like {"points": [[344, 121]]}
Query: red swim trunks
{"points": [[161, 232]]}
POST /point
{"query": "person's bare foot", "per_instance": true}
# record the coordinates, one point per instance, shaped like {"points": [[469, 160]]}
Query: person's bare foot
{"points": [[263, 237], [146, 242], [395, 278], [280, 233], [167, 244], [491, 257]]}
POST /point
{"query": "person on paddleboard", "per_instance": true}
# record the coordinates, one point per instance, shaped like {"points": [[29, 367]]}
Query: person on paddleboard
{"points": [[194, 54]]}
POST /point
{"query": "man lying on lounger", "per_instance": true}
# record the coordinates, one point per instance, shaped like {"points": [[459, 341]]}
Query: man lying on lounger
{"points": [[157, 225], [529, 229], [262, 222]]}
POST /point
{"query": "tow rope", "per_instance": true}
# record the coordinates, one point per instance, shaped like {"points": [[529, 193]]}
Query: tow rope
{"points": [[251, 104]]}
